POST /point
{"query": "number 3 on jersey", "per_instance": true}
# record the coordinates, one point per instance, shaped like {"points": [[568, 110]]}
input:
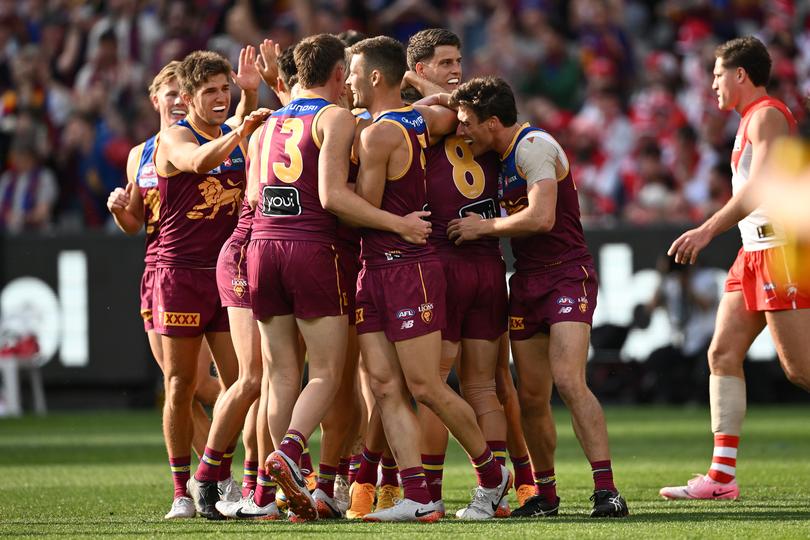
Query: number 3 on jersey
{"points": [[468, 176], [292, 172]]}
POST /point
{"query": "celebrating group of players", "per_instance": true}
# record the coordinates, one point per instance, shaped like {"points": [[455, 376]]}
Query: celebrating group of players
{"points": [[347, 225]]}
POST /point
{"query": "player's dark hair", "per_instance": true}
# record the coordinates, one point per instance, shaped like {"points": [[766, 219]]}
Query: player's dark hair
{"points": [[198, 67], [350, 37], [487, 97], [748, 53], [286, 67], [422, 45], [386, 55], [316, 57]]}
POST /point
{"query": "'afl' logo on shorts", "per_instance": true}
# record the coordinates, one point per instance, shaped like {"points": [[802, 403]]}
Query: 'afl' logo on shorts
{"points": [[239, 287], [405, 313], [516, 323]]}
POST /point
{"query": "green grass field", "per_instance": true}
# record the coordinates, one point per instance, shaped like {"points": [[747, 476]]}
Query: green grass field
{"points": [[105, 474]]}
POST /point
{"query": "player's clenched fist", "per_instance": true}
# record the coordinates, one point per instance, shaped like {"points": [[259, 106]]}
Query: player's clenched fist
{"points": [[119, 198]]}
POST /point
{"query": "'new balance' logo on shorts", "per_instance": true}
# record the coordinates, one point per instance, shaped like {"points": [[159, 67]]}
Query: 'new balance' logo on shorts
{"points": [[516, 323], [180, 319]]}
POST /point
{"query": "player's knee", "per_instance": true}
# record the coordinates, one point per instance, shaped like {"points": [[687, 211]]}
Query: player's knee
{"points": [[533, 403], [481, 396], [797, 375], [724, 358], [383, 389], [570, 387], [250, 387], [178, 388]]}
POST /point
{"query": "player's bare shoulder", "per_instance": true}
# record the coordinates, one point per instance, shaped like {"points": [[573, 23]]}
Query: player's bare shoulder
{"points": [[382, 138]]}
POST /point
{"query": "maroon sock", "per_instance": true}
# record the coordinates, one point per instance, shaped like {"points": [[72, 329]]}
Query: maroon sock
{"points": [[602, 475], [414, 486], [354, 467], [389, 472], [523, 471], [487, 469], [249, 474], [367, 473], [433, 464], [293, 445], [225, 466], [498, 450], [343, 466], [265, 489], [326, 479], [306, 462], [546, 484], [181, 472], [208, 471]]}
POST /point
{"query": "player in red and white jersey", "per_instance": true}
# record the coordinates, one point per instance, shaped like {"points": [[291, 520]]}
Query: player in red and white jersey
{"points": [[400, 293], [552, 293], [760, 289]]}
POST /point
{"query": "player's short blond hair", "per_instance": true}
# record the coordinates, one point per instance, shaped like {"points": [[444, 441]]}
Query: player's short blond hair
{"points": [[164, 76]]}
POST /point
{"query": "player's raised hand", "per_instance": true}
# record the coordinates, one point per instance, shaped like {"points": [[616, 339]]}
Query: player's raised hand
{"points": [[415, 229], [253, 121], [119, 198], [266, 62], [248, 77], [466, 228], [686, 247]]}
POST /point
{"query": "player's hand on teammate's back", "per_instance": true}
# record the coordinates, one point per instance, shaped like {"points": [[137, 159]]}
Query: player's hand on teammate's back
{"points": [[687, 246], [465, 228], [119, 198], [415, 227], [266, 62], [253, 121], [248, 76]]}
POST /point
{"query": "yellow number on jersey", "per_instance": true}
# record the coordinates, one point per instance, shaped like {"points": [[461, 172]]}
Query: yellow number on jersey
{"points": [[286, 173], [464, 167]]}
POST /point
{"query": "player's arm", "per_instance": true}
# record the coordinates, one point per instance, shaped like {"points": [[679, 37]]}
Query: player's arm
{"points": [[185, 154], [361, 208], [537, 158], [440, 120], [763, 130], [252, 166], [422, 85], [126, 204], [248, 78]]}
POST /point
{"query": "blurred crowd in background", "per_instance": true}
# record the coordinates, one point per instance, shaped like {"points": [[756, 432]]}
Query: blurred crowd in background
{"points": [[625, 85]]}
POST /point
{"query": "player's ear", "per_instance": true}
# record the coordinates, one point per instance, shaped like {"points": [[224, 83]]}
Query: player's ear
{"points": [[419, 68], [154, 100], [186, 97]]}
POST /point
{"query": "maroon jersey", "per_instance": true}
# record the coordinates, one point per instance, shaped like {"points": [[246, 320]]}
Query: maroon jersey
{"points": [[289, 206], [457, 183], [199, 211], [147, 182], [565, 242], [404, 193], [241, 233]]}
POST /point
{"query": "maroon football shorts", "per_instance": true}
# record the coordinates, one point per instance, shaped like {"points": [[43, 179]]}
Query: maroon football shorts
{"points": [[404, 300], [540, 299], [232, 275], [147, 294], [187, 302], [349, 262], [294, 277], [477, 303]]}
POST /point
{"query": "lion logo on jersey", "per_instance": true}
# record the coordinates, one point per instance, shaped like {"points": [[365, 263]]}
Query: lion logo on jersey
{"points": [[215, 197], [152, 201]]}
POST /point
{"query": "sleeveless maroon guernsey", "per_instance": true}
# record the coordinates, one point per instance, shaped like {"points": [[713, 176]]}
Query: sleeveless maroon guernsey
{"points": [[198, 212], [457, 183], [402, 195]]}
